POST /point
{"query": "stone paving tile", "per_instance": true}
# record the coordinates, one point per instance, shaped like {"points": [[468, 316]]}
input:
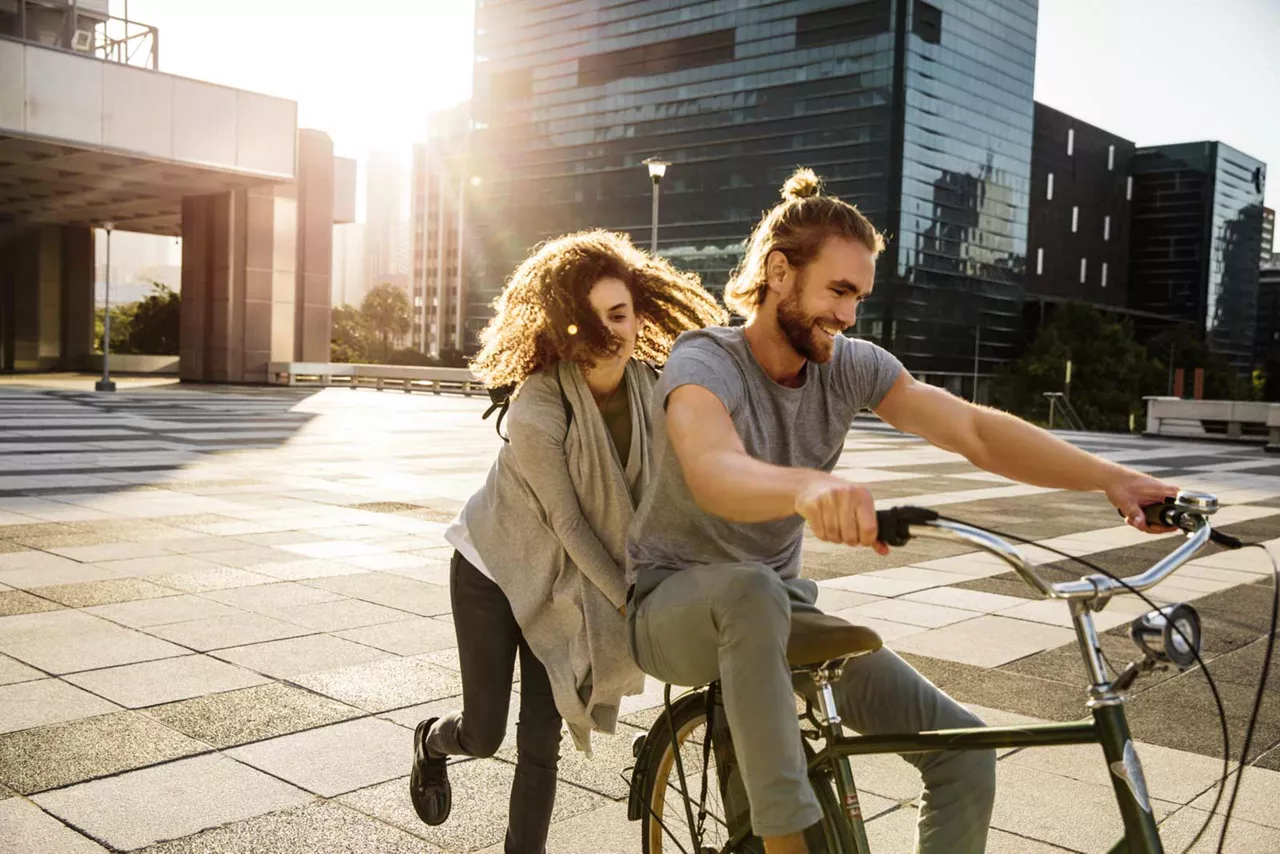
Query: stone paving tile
{"points": [[986, 641], [601, 773], [1244, 837], [480, 784], [216, 578], [420, 598], [68, 641], [324, 826], [302, 569], [150, 683], [122, 550], [173, 608], [384, 685], [1259, 794], [406, 637], [251, 714], [24, 705], [14, 602], [151, 566], [25, 827], [1180, 713], [34, 578], [293, 657], [336, 759], [15, 671], [270, 599], [604, 830], [245, 557], [339, 615], [237, 629], [140, 808], [969, 600], [110, 591], [48, 757], [911, 613]]}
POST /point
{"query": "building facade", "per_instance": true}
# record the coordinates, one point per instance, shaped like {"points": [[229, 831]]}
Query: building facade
{"points": [[921, 113], [1197, 237], [1268, 332], [1268, 233], [386, 221], [1078, 237], [437, 288]]}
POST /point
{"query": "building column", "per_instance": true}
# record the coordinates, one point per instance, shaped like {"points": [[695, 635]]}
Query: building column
{"points": [[46, 298], [313, 293]]}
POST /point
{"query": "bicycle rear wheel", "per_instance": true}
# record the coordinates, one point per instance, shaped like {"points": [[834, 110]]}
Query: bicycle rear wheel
{"points": [[665, 815]]}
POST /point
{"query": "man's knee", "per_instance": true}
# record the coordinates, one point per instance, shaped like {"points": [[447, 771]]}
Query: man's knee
{"points": [[754, 595]]}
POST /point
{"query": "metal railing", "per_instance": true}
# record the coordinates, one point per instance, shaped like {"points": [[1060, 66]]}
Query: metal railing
{"points": [[88, 29], [407, 378]]}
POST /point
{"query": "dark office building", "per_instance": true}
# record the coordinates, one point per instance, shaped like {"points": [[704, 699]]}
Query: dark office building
{"points": [[1268, 233], [1268, 334], [1197, 237], [921, 113], [1078, 235]]}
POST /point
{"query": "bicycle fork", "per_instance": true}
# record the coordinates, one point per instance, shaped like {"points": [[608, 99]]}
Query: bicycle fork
{"points": [[846, 790]]}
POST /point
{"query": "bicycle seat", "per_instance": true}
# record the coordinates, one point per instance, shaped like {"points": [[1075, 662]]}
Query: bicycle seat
{"points": [[817, 638]]}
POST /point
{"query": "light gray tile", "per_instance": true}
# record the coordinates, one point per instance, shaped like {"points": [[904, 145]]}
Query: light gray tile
{"points": [[969, 600], [335, 759], [151, 683], [1259, 794], [69, 641], [48, 757], [987, 641], [149, 566], [14, 602], [216, 578], [252, 714], [68, 573], [27, 828], [1243, 837], [339, 614], [246, 557], [911, 613], [299, 570], [90, 593], [46, 701], [221, 632], [393, 591], [296, 656], [112, 551], [173, 608], [271, 598], [139, 808], [15, 671], [407, 637]]}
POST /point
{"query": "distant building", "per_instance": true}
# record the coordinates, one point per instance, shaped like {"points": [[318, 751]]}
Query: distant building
{"points": [[350, 282], [437, 286], [386, 221], [1268, 233], [1197, 237], [1078, 234], [1268, 334]]}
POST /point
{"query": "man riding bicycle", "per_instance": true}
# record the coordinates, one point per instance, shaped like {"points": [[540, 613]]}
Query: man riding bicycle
{"points": [[748, 424]]}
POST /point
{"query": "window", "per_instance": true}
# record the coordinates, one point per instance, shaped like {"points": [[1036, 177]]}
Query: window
{"points": [[1128, 188], [1075, 218], [926, 22], [843, 24], [1106, 228], [1084, 269], [1049, 192], [1104, 274], [1071, 141], [1111, 158], [661, 58], [1040, 261]]}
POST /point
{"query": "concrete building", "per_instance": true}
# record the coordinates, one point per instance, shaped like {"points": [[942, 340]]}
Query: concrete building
{"points": [[349, 282], [437, 285], [86, 141], [1267, 337], [386, 220], [1268, 233]]}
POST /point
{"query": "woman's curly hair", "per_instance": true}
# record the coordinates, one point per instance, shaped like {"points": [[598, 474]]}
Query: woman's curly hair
{"points": [[543, 314]]}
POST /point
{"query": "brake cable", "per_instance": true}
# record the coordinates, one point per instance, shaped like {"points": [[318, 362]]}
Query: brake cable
{"points": [[1213, 687]]}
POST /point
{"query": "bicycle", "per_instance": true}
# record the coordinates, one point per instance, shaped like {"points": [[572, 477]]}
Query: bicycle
{"points": [[716, 818]]}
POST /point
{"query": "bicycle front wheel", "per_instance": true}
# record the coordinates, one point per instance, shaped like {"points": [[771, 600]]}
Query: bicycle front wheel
{"points": [[726, 825]]}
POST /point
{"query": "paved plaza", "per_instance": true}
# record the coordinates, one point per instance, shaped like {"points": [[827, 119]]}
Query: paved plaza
{"points": [[222, 611]]}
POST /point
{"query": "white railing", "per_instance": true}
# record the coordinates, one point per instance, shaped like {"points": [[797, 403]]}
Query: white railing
{"points": [[404, 377]]}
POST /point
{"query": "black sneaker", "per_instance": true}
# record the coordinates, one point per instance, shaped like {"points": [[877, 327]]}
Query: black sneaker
{"points": [[429, 787]]}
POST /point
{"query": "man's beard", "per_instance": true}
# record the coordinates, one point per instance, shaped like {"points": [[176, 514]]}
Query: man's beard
{"points": [[799, 328]]}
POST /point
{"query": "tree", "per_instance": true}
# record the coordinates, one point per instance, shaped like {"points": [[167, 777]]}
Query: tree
{"points": [[349, 336], [1189, 352], [1111, 371], [386, 313], [157, 322]]}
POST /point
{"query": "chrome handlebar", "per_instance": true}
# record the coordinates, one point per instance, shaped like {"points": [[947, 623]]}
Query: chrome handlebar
{"points": [[1189, 511]]}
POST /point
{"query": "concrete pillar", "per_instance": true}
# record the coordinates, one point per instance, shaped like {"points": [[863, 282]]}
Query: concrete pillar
{"points": [[256, 273], [46, 298]]}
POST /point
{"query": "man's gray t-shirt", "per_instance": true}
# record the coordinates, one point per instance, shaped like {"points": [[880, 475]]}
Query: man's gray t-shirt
{"points": [[801, 427]]}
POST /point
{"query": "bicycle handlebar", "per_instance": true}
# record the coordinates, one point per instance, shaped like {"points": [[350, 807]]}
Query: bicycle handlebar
{"points": [[1189, 512]]}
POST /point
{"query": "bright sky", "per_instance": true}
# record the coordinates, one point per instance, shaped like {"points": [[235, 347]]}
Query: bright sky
{"points": [[369, 71]]}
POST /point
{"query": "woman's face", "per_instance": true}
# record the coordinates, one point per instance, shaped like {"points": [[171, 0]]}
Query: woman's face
{"points": [[610, 299]]}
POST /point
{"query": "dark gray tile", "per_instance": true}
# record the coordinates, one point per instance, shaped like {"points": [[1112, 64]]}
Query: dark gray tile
{"points": [[324, 826], [7, 547], [1180, 713], [14, 602], [1025, 695], [384, 685], [51, 756], [251, 714], [107, 592]]}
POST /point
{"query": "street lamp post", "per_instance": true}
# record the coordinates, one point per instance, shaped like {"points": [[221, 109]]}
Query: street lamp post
{"points": [[657, 168], [105, 384]]}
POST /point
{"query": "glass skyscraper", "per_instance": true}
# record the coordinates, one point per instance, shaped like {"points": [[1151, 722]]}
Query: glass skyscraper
{"points": [[920, 113]]}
